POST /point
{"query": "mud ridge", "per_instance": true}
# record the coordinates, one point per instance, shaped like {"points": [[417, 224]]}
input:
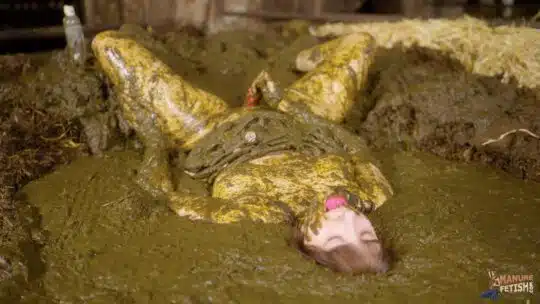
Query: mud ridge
{"points": [[424, 100]]}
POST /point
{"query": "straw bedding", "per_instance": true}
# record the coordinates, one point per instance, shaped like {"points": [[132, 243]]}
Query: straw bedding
{"points": [[509, 52]]}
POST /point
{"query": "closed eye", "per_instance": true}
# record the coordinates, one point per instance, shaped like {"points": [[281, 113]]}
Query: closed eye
{"points": [[337, 239], [367, 236]]}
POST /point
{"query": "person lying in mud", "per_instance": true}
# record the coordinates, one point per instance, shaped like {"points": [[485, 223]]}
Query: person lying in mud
{"points": [[283, 158]]}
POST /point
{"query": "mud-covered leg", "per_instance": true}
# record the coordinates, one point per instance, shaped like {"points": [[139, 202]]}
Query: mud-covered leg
{"points": [[154, 174], [309, 59], [143, 80], [331, 88]]}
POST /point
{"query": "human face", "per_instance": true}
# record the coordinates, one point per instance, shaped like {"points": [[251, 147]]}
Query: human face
{"points": [[347, 240]]}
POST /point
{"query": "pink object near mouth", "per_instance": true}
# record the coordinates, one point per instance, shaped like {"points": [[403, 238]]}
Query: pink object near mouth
{"points": [[335, 201]]}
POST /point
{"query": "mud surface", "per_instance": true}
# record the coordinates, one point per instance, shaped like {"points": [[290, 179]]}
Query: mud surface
{"points": [[43, 102], [72, 238], [52, 112], [449, 224], [421, 99]]}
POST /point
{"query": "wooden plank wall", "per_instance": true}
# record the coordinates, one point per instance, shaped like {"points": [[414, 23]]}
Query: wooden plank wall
{"points": [[100, 13], [113, 12]]}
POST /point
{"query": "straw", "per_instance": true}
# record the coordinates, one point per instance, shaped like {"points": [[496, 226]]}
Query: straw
{"points": [[509, 51]]}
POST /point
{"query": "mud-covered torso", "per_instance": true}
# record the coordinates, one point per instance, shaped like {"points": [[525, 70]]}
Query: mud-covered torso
{"points": [[263, 152], [296, 179], [255, 133]]}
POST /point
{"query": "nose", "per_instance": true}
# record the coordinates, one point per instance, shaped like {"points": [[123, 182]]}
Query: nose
{"points": [[341, 220]]}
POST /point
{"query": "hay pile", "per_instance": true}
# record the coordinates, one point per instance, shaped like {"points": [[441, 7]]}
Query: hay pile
{"points": [[505, 51]]}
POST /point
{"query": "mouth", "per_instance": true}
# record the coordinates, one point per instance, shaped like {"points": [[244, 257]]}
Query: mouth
{"points": [[334, 202]]}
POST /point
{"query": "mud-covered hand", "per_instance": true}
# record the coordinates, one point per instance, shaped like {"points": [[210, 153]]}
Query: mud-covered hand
{"points": [[263, 89], [311, 218], [355, 202], [371, 181]]}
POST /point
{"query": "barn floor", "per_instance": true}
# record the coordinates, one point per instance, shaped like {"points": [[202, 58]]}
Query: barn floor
{"points": [[69, 237]]}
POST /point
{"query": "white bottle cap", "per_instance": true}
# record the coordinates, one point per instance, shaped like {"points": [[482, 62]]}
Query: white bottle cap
{"points": [[69, 10]]}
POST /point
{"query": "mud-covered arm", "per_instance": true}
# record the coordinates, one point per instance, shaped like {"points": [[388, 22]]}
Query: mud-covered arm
{"points": [[368, 193], [155, 178], [368, 189], [248, 207], [365, 170], [264, 90]]}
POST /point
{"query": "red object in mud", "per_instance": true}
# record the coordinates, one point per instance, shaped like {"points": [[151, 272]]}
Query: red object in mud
{"points": [[251, 99], [335, 201]]}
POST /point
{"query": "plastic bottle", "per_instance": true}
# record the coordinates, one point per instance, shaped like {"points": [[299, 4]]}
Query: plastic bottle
{"points": [[74, 35]]}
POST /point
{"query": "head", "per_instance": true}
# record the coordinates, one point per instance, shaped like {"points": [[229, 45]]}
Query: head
{"points": [[345, 242]]}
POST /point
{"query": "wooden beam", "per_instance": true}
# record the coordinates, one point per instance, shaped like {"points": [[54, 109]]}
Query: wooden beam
{"points": [[339, 17], [215, 10], [317, 7], [334, 17], [296, 5], [89, 12], [58, 31], [49, 32]]}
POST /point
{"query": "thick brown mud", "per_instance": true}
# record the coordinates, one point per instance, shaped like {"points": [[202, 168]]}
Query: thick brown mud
{"points": [[421, 99], [86, 234], [448, 225]]}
